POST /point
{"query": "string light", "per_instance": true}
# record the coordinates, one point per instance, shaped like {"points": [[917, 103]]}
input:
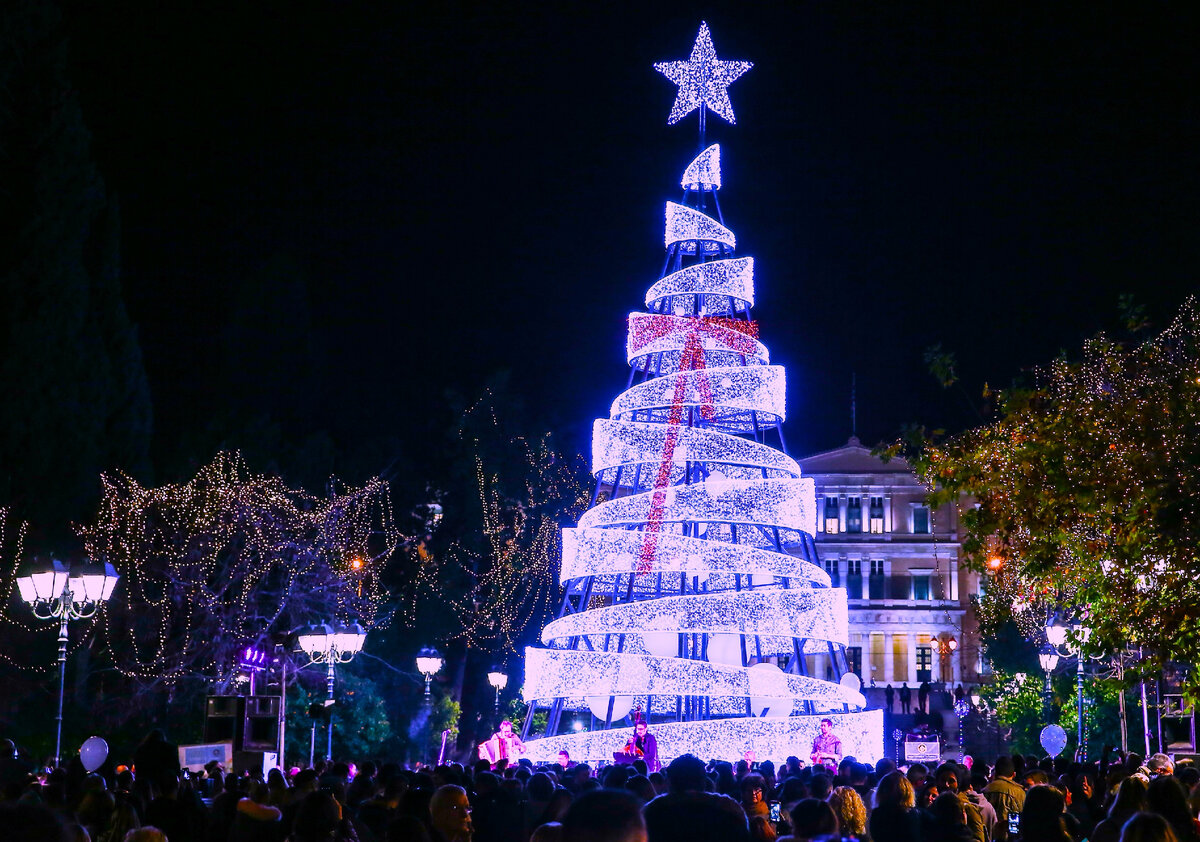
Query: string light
{"points": [[704, 172], [680, 588], [771, 738], [703, 79], [229, 557], [692, 231], [716, 283]]}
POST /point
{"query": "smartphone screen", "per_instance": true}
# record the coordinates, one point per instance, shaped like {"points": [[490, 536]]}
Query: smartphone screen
{"points": [[1014, 824], [774, 814]]}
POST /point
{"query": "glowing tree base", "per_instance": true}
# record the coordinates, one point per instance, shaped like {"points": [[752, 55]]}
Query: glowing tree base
{"points": [[861, 734]]}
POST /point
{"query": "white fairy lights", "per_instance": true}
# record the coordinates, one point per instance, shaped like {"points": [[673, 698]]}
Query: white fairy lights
{"points": [[774, 739], [704, 172], [694, 231], [685, 592], [702, 79]]}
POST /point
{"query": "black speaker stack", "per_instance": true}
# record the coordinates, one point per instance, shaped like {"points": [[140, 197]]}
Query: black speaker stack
{"points": [[251, 723]]}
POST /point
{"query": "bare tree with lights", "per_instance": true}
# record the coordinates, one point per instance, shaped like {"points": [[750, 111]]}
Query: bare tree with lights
{"points": [[229, 559]]}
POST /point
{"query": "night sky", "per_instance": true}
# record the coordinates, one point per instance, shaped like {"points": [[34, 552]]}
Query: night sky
{"points": [[466, 189]]}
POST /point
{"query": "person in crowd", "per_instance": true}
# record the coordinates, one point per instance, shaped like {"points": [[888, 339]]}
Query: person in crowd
{"points": [[889, 697], [1166, 797], [1043, 820], [811, 819], [450, 814], [1130, 799], [947, 820], [1147, 827], [761, 830], [850, 810], [905, 698], [146, 834], [894, 818], [1006, 796], [754, 795], [604, 816]]}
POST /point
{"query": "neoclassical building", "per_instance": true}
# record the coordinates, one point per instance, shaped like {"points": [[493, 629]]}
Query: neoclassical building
{"points": [[909, 597]]}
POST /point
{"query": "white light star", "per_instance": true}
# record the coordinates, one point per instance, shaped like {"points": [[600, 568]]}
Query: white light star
{"points": [[702, 79]]}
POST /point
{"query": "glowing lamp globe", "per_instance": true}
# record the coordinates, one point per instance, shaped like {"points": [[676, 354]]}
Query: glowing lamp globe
{"points": [[1048, 658], [44, 583], [349, 640], [497, 679], [1056, 634], [94, 581], [314, 640], [429, 661]]}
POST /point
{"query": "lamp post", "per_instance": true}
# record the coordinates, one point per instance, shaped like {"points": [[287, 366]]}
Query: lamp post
{"points": [[429, 663], [498, 680], [1048, 658], [57, 592], [946, 644], [325, 644], [1058, 638]]}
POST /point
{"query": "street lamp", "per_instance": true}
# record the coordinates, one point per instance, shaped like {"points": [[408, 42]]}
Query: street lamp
{"points": [[325, 644], [1057, 637], [1048, 658], [76, 593], [498, 680], [429, 663]]}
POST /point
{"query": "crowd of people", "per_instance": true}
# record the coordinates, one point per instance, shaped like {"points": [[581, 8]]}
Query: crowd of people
{"points": [[1020, 799]]}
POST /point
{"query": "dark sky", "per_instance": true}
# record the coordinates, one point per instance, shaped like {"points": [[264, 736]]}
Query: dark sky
{"points": [[469, 189]]}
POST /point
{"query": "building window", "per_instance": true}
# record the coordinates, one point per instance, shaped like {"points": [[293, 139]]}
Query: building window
{"points": [[854, 579], [924, 662], [920, 520], [831, 567], [854, 660], [832, 519], [876, 583], [854, 514], [920, 587], [876, 513], [876, 656], [899, 657]]}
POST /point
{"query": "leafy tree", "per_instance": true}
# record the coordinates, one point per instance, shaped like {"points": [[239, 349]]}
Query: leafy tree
{"points": [[362, 729], [1088, 488]]}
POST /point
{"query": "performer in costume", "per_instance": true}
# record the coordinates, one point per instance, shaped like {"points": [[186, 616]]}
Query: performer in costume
{"points": [[642, 744], [827, 748]]}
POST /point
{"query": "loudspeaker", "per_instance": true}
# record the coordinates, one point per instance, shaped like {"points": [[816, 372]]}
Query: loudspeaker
{"points": [[223, 720], [261, 728], [254, 761]]}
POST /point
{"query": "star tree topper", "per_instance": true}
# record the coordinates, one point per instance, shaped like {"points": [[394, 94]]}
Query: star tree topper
{"points": [[702, 79]]}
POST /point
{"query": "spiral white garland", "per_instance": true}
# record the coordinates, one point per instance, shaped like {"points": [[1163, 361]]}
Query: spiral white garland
{"points": [[697, 587]]}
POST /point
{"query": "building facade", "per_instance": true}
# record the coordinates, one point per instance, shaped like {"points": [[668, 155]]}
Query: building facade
{"points": [[910, 613]]}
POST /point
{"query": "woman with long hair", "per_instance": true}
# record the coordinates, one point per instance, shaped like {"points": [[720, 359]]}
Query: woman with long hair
{"points": [[894, 819], [1147, 827], [1130, 799], [850, 810], [1167, 797]]}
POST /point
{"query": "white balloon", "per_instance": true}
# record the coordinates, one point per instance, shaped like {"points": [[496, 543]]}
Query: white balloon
{"points": [[598, 705], [1054, 740], [93, 753], [769, 695], [662, 644], [725, 649], [851, 682]]}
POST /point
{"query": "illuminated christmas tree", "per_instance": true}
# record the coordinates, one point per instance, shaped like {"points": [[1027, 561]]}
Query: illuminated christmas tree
{"points": [[693, 594]]}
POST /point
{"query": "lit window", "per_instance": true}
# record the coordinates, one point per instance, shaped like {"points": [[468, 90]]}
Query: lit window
{"points": [[854, 521], [920, 520], [832, 521], [876, 514]]}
